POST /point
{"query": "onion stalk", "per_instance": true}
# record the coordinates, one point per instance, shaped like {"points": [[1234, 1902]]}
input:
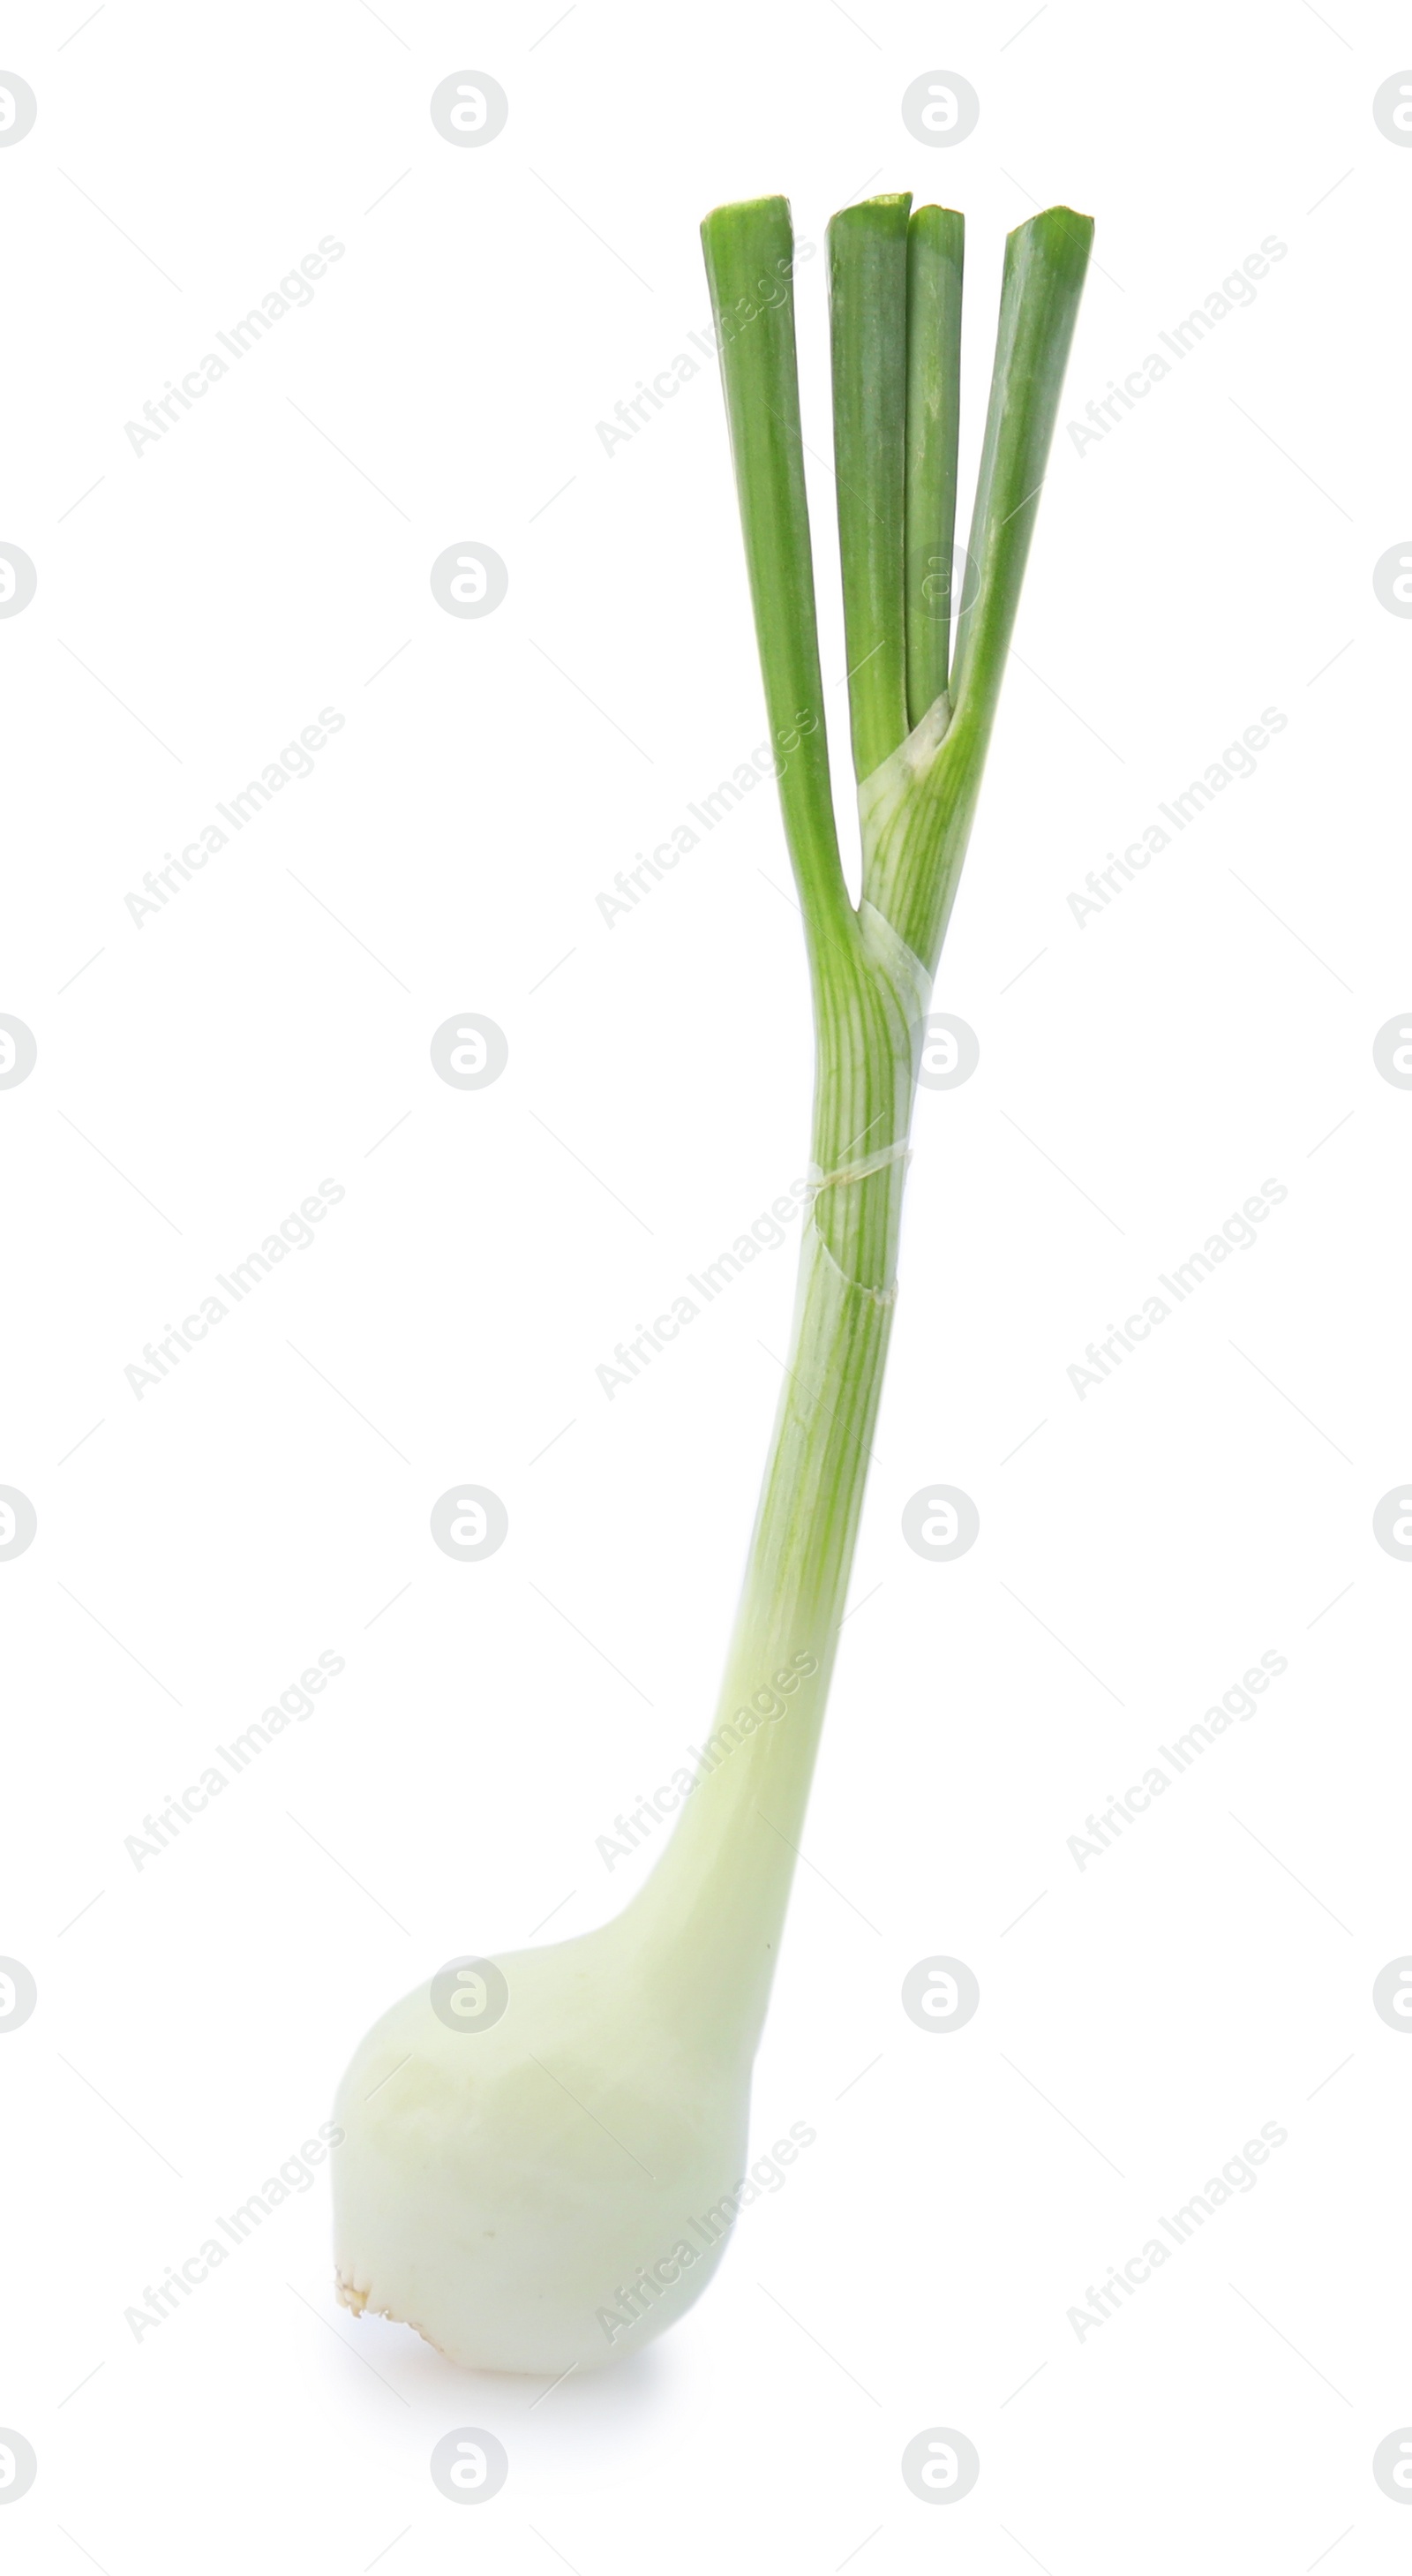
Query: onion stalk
{"points": [[542, 2175]]}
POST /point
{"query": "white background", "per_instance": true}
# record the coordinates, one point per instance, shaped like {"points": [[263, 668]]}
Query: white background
{"points": [[1139, 1077]]}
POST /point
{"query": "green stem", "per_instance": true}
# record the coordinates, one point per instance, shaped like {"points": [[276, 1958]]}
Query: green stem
{"points": [[868, 330], [936, 241], [1045, 263], [750, 268]]}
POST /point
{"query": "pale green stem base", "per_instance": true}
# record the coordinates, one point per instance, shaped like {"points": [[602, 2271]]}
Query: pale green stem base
{"points": [[716, 1901]]}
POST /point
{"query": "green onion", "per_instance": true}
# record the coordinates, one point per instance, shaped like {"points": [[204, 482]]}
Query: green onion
{"points": [[545, 2175]]}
